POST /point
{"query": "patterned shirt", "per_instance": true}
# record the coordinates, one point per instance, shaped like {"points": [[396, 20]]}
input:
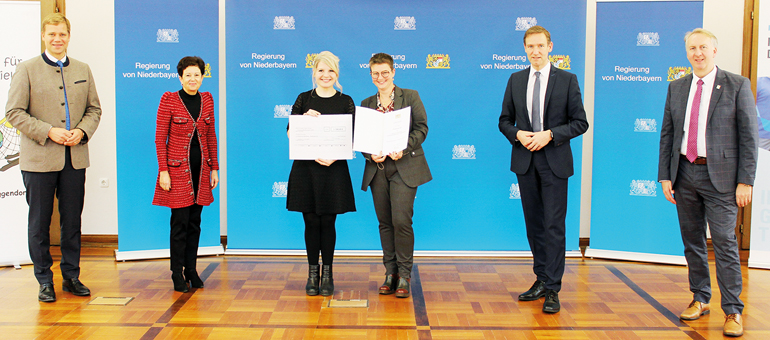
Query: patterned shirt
{"points": [[389, 107]]}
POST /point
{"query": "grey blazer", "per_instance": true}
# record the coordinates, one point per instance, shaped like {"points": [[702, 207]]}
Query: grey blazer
{"points": [[36, 103], [412, 167], [731, 131]]}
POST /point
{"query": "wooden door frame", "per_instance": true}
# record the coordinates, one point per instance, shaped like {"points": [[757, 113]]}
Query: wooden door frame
{"points": [[748, 70]]}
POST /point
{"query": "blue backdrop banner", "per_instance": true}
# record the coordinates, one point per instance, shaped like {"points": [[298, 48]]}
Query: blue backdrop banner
{"points": [[639, 50], [147, 50], [457, 54]]}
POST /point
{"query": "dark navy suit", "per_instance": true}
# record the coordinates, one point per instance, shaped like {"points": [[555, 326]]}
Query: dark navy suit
{"points": [[543, 174]]}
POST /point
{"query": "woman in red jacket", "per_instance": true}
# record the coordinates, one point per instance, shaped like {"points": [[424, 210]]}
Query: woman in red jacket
{"points": [[186, 144]]}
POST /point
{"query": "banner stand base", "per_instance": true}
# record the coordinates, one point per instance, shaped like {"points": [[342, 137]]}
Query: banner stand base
{"points": [[759, 258], [758, 265], [162, 253], [633, 256], [15, 264]]}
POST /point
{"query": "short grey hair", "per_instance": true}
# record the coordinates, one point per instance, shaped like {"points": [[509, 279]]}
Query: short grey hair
{"points": [[704, 32]]}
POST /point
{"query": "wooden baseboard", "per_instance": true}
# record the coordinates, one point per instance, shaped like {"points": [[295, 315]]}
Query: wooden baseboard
{"points": [[99, 240], [112, 240]]}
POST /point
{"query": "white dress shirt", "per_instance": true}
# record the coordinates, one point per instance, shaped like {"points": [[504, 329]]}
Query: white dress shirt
{"points": [[544, 73], [705, 99], [51, 58]]}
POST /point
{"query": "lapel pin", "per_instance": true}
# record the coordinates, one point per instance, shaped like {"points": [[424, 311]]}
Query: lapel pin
{"points": [[719, 86]]}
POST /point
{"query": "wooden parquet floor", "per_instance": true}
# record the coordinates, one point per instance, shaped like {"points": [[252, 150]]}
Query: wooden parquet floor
{"points": [[453, 298]]}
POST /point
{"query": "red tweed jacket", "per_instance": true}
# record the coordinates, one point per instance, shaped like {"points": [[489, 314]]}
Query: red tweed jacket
{"points": [[173, 134]]}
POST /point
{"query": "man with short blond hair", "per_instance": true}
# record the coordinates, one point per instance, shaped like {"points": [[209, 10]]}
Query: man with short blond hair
{"points": [[707, 165], [52, 101]]}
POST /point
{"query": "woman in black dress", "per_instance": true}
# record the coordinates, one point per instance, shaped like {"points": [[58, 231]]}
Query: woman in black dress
{"points": [[321, 189]]}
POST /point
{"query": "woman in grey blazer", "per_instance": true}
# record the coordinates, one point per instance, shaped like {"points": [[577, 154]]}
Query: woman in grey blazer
{"points": [[394, 178]]}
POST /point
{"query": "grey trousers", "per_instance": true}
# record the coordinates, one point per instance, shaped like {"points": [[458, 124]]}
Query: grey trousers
{"points": [[394, 205], [697, 201]]}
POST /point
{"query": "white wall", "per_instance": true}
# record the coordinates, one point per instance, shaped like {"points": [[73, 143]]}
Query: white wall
{"points": [[93, 41]]}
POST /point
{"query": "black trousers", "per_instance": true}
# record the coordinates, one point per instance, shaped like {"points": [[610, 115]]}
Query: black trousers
{"points": [[69, 187], [186, 223], [185, 236], [544, 199]]}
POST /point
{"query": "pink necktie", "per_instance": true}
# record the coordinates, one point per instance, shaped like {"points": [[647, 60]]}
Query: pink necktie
{"points": [[692, 132]]}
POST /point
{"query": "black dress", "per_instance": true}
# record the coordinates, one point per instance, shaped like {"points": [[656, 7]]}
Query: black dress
{"points": [[193, 105], [314, 188]]}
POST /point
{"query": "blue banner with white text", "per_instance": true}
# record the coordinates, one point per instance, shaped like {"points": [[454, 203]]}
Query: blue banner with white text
{"points": [[148, 46], [457, 54], [639, 50]]}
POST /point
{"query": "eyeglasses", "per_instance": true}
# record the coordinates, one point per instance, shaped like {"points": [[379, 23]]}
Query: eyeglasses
{"points": [[385, 74]]}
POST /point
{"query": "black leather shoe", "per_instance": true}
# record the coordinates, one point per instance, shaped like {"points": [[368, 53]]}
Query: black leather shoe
{"points": [[46, 293], [192, 277], [551, 304], [75, 287], [180, 285], [313, 280], [534, 293], [327, 281], [403, 290], [389, 286]]}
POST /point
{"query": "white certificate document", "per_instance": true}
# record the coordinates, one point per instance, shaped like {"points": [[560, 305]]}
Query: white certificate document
{"points": [[322, 137], [381, 133]]}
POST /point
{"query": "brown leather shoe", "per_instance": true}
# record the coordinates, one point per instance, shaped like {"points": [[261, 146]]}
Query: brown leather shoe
{"points": [[733, 325], [695, 310]]}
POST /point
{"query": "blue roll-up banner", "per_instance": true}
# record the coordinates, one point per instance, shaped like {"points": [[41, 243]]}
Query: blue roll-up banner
{"points": [[639, 50], [457, 54], [148, 46]]}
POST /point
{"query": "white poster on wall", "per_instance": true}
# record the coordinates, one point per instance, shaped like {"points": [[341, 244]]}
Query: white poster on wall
{"points": [[20, 34], [759, 255]]}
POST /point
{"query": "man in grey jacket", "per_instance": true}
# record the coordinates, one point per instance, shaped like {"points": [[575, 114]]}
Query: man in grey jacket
{"points": [[707, 166], [53, 103]]}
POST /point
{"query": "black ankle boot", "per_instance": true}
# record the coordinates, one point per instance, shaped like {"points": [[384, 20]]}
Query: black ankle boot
{"points": [[191, 276], [389, 286], [179, 284], [327, 281], [403, 290], [313, 278]]}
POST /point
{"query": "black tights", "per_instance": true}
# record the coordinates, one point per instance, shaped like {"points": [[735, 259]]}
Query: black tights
{"points": [[320, 235]]}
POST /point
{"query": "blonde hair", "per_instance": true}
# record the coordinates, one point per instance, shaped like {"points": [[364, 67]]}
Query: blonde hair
{"points": [[704, 32], [54, 19], [330, 60]]}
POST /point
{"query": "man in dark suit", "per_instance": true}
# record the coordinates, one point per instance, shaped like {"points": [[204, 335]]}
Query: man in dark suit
{"points": [[542, 111], [53, 102], [708, 157]]}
